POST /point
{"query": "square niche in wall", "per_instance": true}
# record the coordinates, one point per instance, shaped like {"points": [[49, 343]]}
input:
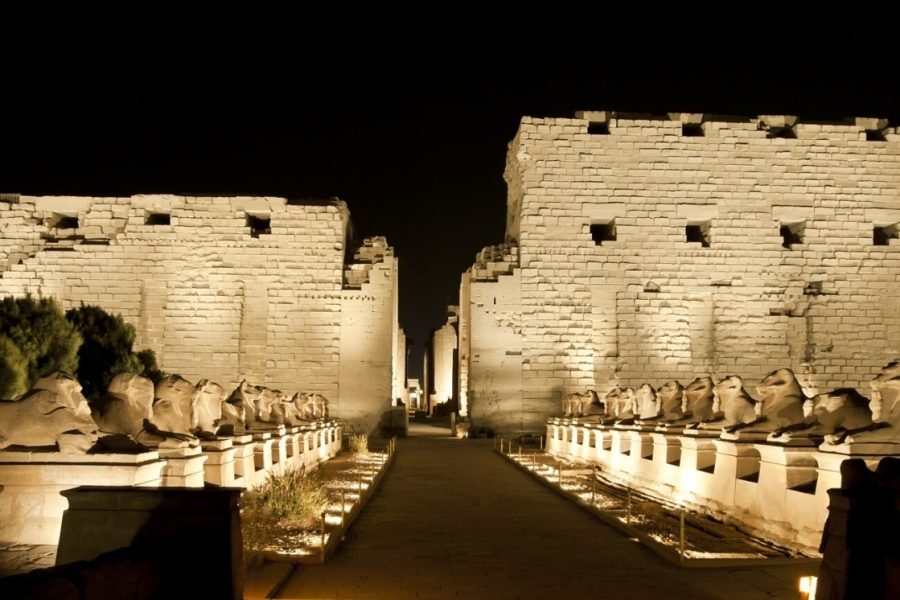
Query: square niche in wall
{"points": [[883, 234], [603, 232], [62, 221], [792, 234], [698, 232], [157, 218], [259, 225]]}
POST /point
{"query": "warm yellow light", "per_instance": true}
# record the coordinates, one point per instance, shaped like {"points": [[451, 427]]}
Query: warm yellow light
{"points": [[808, 587]]}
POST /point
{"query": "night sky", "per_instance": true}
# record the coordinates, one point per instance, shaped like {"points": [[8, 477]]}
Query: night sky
{"points": [[409, 129]]}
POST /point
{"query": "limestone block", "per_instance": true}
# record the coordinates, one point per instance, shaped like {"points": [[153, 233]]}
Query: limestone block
{"points": [[871, 123], [244, 461], [184, 466], [53, 414], [207, 414], [126, 405], [31, 507], [198, 544], [219, 467], [173, 404]]}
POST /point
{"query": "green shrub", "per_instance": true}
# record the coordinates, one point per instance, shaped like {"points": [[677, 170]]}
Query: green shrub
{"points": [[13, 370], [293, 500], [106, 351], [359, 443], [45, 342], [147, 359]]}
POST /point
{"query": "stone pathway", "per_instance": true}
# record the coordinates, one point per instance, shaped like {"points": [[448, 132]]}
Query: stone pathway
{"points": [[454, 520], [20, 558]]}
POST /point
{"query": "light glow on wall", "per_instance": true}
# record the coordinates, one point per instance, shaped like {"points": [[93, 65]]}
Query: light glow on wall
{"points": [[808, 586]]}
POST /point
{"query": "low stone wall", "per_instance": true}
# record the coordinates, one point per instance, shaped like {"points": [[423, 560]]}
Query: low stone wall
{"points": [[778, 491], [128, 542], [31, 506]]}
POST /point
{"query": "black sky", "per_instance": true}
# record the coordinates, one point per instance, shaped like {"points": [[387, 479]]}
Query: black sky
{"points": [[409, 129]]}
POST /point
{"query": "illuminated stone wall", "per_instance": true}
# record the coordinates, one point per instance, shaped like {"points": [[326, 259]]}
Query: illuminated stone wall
{"points": [[399, 381], [462, 357], [492, 365], [653, 249], [444, 345], [220, 288], [368, 334]]}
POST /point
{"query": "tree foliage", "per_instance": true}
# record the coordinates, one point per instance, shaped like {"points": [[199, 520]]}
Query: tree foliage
{"points": [[13, 370], [147, 359], [107, 349], [42, 339]]}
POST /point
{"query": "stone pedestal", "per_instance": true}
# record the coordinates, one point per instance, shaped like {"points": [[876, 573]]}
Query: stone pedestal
{"points": [[307, 444], [580, 447], [184, 466], [31, 507], [666, 457], [193, 534], [593, 444], [640, 463], [785, 505], [292, 446], [244, 467], [734, 462], [279, 451], [338, 439], [641, 444], [324, 444], [698, 460], [333, 440], [219, 465], [829, 471], [262, 451], [620, 446]]}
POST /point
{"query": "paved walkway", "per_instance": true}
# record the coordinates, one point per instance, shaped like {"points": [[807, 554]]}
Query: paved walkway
{"points": [[453, 520]]}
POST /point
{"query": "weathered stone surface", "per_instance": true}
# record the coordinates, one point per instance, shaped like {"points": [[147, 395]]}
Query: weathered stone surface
{"points": [[208, 406], [881, 437], [650, 251], [582, 404], [127, 404], [647, 404], [269, 406], [68, 388], [833, 415], [46, 418], [699, 399], [244, 398], [231, 288], [671, 396], [736, 405], [781, 399], [173, 404]]}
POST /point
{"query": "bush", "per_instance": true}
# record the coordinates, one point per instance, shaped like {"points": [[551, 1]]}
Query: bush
{"points": [[13, 370], [147, 359], [106, 351], [44, 339], [359, 443], [293, 500]]}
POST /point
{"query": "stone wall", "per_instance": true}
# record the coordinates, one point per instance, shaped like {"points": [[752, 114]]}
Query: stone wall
{"points": [[493, 367], [398, 386], [462, 357], [223, 288], [368, 334], [444, 345], [658, 248]]}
